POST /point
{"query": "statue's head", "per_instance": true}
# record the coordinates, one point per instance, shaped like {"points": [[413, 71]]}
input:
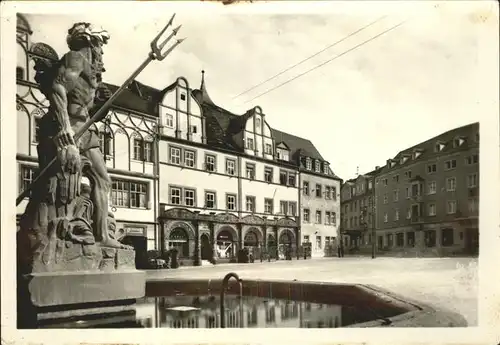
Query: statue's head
{"points": [[83, 35]]}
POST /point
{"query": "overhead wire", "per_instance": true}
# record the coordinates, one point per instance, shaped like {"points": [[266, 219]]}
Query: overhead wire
{"points": [[311, 56], [327, 61]]}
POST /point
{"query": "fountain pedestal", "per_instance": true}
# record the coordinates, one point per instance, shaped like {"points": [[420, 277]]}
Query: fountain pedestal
{"points": [[85, 298]]}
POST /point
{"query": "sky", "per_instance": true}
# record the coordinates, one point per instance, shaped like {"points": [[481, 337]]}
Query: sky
{"points": [[402, 88]]}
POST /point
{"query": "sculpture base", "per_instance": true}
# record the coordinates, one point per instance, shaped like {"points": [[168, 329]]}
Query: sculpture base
{"points": [[66, 299], [77, 257]]}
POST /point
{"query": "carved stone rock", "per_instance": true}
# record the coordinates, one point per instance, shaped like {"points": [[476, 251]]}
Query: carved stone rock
{"points": [[125, 259], [75, 257]]}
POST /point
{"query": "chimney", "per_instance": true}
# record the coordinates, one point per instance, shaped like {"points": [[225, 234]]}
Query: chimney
{"points": [[377, 167]]}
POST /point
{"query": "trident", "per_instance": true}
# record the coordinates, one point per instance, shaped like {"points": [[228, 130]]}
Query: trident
{"points": [[155, 54]]}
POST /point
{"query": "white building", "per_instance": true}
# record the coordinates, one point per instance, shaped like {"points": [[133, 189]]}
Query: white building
{"points": [[189, 174], [320, 202]]}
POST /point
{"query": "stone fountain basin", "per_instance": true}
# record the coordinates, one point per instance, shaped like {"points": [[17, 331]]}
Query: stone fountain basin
{"points": [[391, 310]]}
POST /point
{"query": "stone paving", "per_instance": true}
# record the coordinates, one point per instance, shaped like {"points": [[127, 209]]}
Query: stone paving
{"points": [[449, 283]]}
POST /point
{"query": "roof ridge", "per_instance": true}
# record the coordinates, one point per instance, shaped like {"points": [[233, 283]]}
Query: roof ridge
{"points": [[436, 137]]}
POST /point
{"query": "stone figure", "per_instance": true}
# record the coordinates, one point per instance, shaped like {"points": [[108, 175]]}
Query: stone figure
{"points": [[61, 210]]}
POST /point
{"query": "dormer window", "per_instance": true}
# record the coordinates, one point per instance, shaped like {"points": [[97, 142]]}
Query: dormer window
{"points": [[417, 153], [282, 152], [317, 167], [308, 163], [457, 142], [439, 147], [325, 168], [403, 159], [391, 163]]}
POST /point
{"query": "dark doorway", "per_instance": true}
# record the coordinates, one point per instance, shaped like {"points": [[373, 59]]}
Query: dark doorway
{"points": [[251, 239], [472, 241], [140, 244], [179, 240], [206, 248]]}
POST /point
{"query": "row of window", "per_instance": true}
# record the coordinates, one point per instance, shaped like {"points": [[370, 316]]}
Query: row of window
{"points": [[268, 148], [319, 240], [317, 166], [433, 168], [353, 206], [430, 239], [129, 194], [124, 193], [187, 157], [330, 192], [169, 122], [330, 217], [451, 208], [407, 239], [187, 197], [142, 149], [356, 221], [360, 188], [416, 188]]}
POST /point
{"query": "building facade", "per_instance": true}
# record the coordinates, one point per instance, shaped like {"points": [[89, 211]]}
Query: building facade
{"points": [[320, 202], [186, 173], [232, 181], [358, 212], [427, 197]]}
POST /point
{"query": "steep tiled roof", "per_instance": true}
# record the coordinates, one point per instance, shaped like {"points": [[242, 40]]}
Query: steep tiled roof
{"points": [[131, 100], [218, 121], [222, 126], [426, 148], [237, 124], [145, 91], [297, 144]]}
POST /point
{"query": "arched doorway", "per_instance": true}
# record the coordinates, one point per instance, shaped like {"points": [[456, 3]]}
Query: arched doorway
{"points": [[271, 241], [206, 248], [285, 240], [251, 239], [271, 246], [179, 240], [226, 245]]}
